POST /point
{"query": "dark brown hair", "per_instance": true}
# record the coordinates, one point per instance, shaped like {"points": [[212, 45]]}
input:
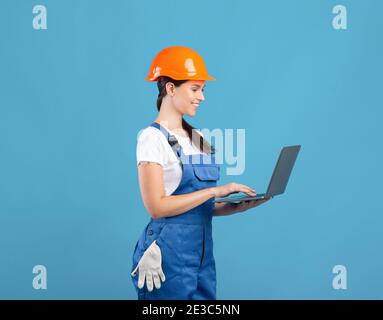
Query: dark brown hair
{"points": [[196, 138]]}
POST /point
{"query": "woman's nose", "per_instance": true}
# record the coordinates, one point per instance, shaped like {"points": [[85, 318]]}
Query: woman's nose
{"points": [[201, 96]]}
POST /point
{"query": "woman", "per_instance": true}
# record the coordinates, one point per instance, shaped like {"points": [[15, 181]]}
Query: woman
{"points": [[177, 175]]}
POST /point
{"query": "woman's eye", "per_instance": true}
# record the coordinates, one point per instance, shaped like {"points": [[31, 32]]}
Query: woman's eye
{"points": [[196, 89]]}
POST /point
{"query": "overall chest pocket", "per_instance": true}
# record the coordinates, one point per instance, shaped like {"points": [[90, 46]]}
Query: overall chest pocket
{"points": [[206, 175]]}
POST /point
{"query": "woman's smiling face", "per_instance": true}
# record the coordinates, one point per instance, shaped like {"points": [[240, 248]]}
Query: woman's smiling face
{"points": [[188, 96]]}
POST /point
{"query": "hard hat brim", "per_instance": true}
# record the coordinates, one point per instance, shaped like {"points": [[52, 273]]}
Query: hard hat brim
{"points": [[176, 77]]}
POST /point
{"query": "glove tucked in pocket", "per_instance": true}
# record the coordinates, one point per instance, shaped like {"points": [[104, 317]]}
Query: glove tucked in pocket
{"points": [[149, 268]]}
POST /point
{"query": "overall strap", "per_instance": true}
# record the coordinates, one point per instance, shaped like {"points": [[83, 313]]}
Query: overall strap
{"points": [[172, 140]]}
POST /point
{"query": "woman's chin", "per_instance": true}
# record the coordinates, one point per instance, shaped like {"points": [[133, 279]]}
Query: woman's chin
{"points": [[192, 113]]}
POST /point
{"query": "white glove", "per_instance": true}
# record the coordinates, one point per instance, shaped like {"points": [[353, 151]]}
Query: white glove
{"points": [[149, 268]]}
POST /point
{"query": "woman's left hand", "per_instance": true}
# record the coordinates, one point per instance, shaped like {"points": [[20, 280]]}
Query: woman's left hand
{"points": [[249, 204], [227, 208]]}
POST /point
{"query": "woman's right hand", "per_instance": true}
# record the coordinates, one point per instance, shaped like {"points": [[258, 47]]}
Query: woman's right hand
{"points": [[230, 188]]}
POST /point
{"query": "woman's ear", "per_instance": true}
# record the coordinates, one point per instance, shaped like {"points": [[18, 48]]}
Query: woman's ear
{"points": [[170, 89]]}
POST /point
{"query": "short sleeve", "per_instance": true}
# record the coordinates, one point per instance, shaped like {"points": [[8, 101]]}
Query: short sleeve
{"points": [[150, 148]]}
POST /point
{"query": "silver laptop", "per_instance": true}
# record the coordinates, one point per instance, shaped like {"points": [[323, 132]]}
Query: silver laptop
{"points": [[278, 181]]}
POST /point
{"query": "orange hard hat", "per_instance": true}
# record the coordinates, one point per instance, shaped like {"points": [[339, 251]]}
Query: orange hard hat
{"points": [[178, 63]]}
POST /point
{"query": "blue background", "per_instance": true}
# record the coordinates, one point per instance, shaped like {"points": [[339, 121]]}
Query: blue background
{"points": [[73, 97]]}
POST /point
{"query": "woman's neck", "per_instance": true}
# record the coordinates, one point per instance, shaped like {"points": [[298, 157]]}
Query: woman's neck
{"points": [[169, 118]]}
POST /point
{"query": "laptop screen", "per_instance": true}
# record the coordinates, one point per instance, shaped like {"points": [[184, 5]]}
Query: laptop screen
{"points": [[282, 170]]}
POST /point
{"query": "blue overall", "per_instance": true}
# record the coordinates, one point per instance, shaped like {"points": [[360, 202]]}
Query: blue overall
{"points": [[185, 240]]}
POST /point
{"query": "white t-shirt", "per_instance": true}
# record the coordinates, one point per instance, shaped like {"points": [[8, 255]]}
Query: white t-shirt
{"points": [[153, 146]]}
